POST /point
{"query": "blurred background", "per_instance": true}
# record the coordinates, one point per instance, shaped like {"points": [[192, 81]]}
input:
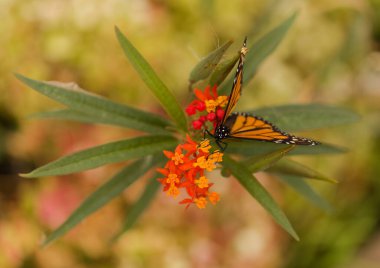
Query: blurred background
{"points": [[330, 55]]}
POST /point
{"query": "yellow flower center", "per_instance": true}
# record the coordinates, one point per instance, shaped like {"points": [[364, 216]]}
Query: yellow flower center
{"points": [[201, 162], [177, 158], [201, 202], [172, 179], [173, 191], [214, 198], [205, 146], [222, 101], [202, 182], [211, 105]]}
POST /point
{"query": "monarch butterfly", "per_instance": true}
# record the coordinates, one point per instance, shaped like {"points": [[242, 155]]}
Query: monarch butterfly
{"points": [[246, 126]]}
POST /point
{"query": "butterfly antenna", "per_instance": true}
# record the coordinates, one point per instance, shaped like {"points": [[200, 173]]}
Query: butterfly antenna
{"points": [[244, 49]]}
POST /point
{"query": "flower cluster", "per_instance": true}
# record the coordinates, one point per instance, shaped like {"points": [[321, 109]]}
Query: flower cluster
{"points": [[209, 105], [186, 168]]}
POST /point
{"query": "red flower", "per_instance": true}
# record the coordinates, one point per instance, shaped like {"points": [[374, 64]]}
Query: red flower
{"points": [[209, 104]]}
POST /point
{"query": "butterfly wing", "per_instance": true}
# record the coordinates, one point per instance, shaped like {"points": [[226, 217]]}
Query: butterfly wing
{"points": [[245, 126], [237, 84]]}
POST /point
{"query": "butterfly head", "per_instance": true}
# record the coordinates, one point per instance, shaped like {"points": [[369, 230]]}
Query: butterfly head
{"points": [[221, 132]]}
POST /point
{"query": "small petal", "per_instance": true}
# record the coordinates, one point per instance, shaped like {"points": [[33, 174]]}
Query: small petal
{"points": [[202, 118], [201, 162], [214, 198], [168, 154], [199, 94], [210, 106], [173, 191], [190, 110], [205, 146], [197, 124], [200, 106], [220, 113], [201, 202], [216, 157], [177, 158], [222, 101], [172, 179], [163, 171], [202, 182], [211, 116]]}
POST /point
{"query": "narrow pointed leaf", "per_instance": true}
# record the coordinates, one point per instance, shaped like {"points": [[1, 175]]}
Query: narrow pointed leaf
{"points": [[303, 188], [105, 119], [252, 148], [265, 161], [101, 196], [97, 106], [261, 50], [323, 148], [250, 183], [306, 117], [105, 154], [73, 115], [223, 69], [153, 82], [207, 64], [140, 205], [290, 167]]}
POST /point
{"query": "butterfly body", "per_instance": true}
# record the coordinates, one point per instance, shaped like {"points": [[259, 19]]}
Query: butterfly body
{"points": [[246, 126]]}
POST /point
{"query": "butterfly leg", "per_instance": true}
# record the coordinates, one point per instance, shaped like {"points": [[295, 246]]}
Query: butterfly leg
{"points": [[208, 132], [222, 145]]}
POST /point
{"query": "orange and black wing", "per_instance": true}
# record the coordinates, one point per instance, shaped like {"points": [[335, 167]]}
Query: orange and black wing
{"points": [[237, 84], [245, 126]]}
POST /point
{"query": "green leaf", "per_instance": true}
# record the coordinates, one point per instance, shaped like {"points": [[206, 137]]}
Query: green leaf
{"points": [[154, 83], [101, 196], [265, 161], [259, 51], [207, 64], [290, 167], [250, 183], [323, 148], [72, 115], [223, 69], [140, 205], [106, 119], [105, 154], [96, 106], [306, 117], [302, 187], [252, 148]]}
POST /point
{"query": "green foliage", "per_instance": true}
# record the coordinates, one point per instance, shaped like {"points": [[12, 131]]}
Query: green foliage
{"points": [[306, 117], [141, 204], [207, 65], [250, 183], [302, 187], [254, 155], [98, 108], [290, 167], [154, 83], [260, 50], [223, 69], [105, 154]]}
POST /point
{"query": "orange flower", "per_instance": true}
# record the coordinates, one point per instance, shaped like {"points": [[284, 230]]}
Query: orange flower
{"points": [[201, 202], [214, 198], [202, 182], [185, 170]]}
